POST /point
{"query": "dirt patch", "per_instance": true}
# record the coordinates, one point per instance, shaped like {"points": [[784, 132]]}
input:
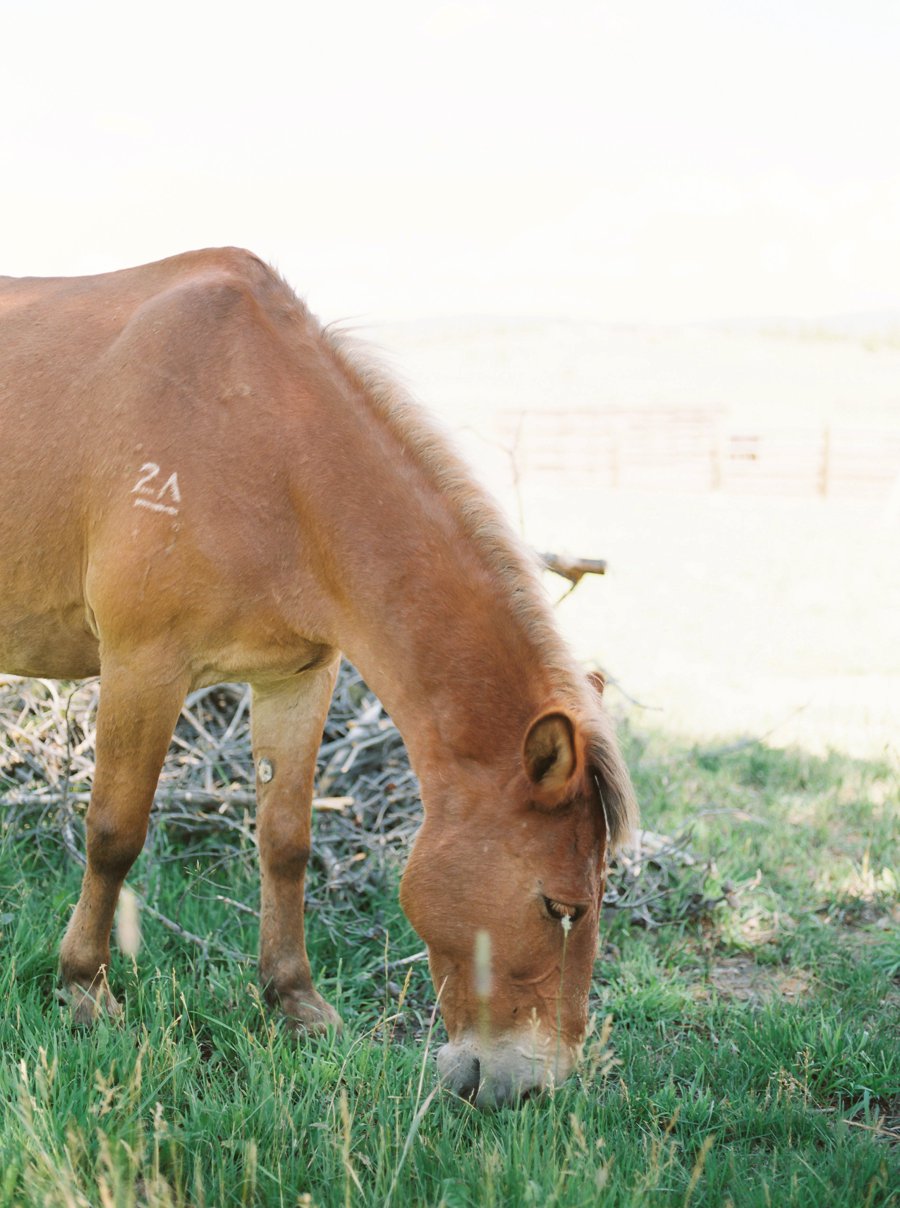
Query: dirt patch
{"points": [[740, 978]]}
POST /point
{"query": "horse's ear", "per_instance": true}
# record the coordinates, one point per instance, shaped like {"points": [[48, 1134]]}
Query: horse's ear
{"points": [[597, 680], [550, 757]]}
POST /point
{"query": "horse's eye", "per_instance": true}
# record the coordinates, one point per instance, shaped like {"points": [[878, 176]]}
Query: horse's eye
{"points": [[560, 911]]}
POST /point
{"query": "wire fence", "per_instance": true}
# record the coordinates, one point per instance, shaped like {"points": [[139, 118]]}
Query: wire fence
{"points": [[701, 449]]}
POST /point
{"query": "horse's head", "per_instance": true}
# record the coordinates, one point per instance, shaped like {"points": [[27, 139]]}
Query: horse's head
{"points": [[504, 885]]}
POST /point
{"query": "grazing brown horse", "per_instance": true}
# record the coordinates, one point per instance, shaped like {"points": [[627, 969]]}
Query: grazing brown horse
{"points": [[198, 483]]}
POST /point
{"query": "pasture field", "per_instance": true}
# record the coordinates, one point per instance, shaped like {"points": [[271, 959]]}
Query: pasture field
{"points": [[746, 1048], [751, 1059]]}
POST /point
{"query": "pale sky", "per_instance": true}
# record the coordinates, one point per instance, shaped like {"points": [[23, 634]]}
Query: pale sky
{"points": [[626, 160]]}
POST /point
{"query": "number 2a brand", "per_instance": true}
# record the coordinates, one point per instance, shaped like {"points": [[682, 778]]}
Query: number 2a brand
{"points": [[148, 474]]}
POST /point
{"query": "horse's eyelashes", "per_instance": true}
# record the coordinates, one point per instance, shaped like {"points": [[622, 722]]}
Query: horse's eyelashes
{"points": [[560, 910]]}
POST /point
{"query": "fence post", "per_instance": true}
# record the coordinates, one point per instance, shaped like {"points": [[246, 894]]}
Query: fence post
{"points": [[716, 456], [614, 454], [825, 472]]}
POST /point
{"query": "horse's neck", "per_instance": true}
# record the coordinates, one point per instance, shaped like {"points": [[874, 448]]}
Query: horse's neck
{"points": [[420, 607], [448, 660]]}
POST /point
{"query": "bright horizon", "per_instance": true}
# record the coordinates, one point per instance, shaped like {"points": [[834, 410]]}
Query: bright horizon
{"points": [[624, 161]]}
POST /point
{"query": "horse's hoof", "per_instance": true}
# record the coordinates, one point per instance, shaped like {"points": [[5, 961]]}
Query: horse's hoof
{"points": [[91, 1003], [308, 1014]]}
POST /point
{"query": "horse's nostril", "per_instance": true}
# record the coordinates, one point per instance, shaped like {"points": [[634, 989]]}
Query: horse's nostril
{"points": [[472, 1083], [460, 1071]]}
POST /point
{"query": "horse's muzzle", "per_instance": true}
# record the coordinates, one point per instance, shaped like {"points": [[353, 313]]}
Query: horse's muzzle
{"points": [[504, 1071]]}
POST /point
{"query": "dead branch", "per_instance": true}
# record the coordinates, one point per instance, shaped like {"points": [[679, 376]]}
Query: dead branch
{"points": [[571, 568]]}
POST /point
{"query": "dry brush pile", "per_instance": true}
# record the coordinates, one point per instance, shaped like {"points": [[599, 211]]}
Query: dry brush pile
{"points": [[367, 799]]}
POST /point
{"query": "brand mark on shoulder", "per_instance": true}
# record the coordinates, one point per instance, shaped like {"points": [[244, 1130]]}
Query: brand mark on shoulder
{"points": [[164, 499]]}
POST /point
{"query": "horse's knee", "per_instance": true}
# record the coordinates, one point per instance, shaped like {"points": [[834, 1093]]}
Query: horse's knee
{"points": [[284, 842], [284, 856], [113, 843]]}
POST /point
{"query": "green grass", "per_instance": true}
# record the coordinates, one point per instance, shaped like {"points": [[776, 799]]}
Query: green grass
{"points": [[753, 1057]]}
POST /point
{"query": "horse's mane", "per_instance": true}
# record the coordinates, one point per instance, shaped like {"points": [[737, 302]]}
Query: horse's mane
{"points": [[513, 566]]}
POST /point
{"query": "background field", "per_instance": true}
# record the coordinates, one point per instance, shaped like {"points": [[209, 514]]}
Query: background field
{"points": [[751, 1059], [753, 612]]}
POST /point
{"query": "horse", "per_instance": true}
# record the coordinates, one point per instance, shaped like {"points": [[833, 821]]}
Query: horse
{"points": [[200, 483]]}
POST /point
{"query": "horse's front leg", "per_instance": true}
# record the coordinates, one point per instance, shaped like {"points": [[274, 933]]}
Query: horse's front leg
{"points": [[287, 721], [139, 706]]}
